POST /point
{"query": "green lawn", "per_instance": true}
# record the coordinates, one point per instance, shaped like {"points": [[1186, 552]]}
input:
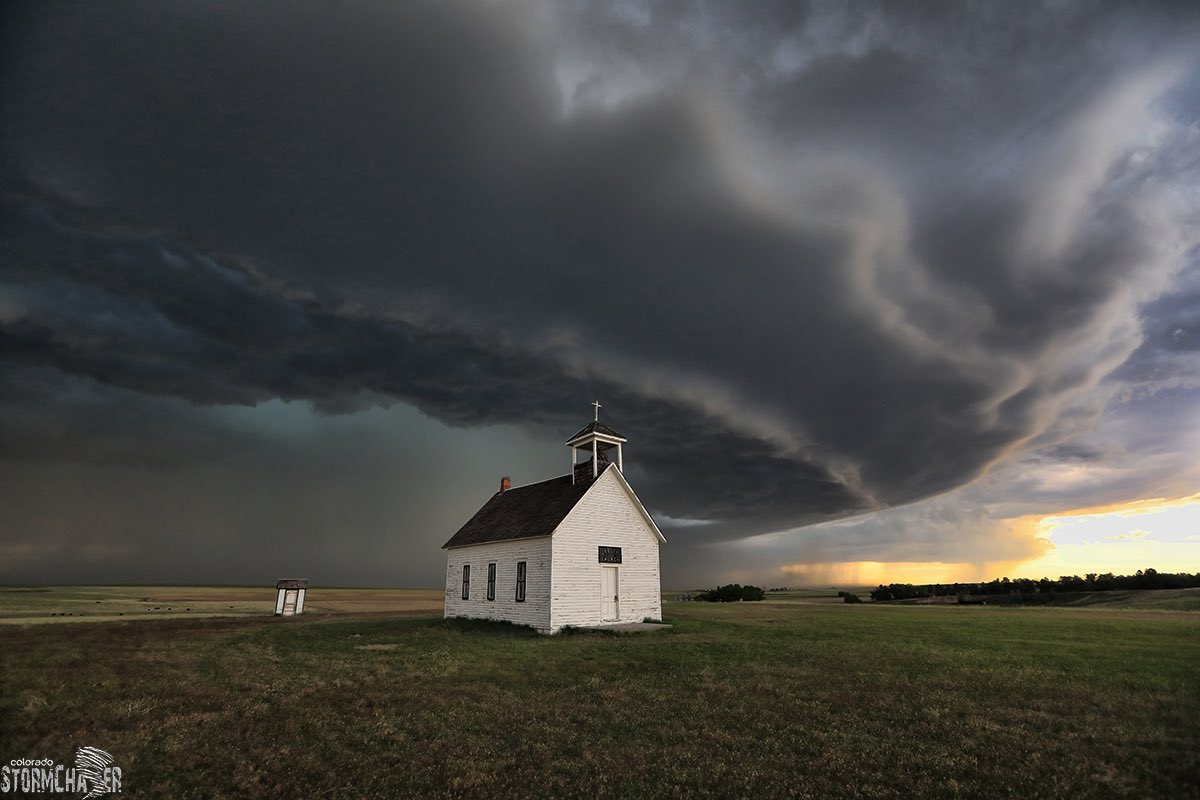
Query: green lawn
{"points": [[744, 700]]}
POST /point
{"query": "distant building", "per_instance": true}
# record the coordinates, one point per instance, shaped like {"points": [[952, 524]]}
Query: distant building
{"points": [[576, 550], [289, 596]]}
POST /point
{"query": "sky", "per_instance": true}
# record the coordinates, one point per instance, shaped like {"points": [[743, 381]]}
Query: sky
{"points": [[876, 291]]}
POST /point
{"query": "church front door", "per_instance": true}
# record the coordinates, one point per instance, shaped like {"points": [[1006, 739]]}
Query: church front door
{"points": [[610, 591]]}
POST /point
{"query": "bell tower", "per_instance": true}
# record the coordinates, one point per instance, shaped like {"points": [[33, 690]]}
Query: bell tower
{"points": [[591, 446]]}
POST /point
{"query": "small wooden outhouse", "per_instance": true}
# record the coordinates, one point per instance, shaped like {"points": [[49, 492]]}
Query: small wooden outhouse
{"points": [[289, 596]]}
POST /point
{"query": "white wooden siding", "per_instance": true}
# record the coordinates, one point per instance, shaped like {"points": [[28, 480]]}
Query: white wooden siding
{"points": [[606, 515], [534, 611]]}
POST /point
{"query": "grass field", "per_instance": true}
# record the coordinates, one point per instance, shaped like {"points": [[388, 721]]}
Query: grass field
{"points": [[1166, 599], [99, 603], [786, 699], [42, 604]]}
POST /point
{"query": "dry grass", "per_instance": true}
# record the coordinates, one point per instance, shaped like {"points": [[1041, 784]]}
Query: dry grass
{"points": [[107, 603], [743, 700]]}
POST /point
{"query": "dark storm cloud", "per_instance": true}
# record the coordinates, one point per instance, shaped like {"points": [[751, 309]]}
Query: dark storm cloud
{"points": [[817, 261], [49, 415], [146, 316]]}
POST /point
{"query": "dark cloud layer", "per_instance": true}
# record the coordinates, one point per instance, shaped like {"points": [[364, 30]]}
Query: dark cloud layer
{"points": [[816, 261]]}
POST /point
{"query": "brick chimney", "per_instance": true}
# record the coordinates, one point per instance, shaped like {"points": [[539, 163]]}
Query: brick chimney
{"points": [[505, 483]]}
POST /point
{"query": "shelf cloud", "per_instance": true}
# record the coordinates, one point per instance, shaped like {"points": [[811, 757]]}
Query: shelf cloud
{"points": [[818, 263]]}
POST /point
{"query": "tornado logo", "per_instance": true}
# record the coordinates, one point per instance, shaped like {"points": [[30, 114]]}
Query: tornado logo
{"points": [[90, 763]]}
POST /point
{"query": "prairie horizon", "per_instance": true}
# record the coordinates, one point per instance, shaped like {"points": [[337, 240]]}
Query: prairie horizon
{"points": [[21, 605]]}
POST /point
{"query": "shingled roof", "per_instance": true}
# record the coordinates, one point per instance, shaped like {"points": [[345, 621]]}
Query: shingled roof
{"points": [[522, 513], [596, 427]]}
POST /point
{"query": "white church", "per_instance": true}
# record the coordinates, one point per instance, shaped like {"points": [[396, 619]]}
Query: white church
{"points": [[576, 550]]}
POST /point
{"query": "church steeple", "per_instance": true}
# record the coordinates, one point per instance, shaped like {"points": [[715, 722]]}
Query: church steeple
{"points": [[594, 440]]}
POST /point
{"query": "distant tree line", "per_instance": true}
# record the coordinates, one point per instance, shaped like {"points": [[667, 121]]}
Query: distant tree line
{"points": [[1092, 582], [731, 592]]}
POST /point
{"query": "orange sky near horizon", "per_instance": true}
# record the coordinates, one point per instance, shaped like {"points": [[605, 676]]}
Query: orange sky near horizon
{"points": [[1119, 538], [1123, 538]]}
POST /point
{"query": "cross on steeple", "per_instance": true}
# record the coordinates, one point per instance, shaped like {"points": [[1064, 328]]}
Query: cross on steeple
{"points": [[597, 406]]}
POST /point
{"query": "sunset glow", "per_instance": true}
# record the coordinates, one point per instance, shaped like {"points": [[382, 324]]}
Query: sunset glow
{"points": [[1120, 538], [1163, 534], [870, 573]]}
